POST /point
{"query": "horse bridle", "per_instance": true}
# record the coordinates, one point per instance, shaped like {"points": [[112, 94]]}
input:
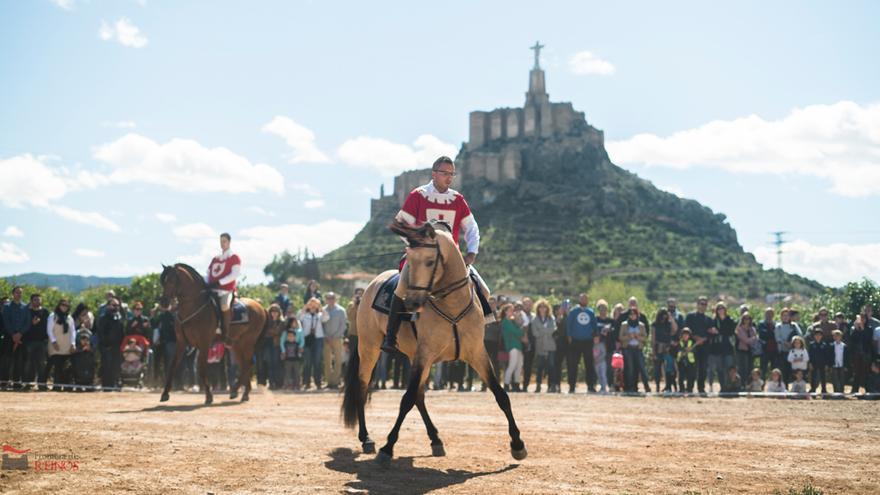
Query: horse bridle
{"points": [[438, 258], [176, 294]]}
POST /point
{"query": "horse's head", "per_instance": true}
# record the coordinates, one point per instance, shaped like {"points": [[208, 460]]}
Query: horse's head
{"points": [[427, 249], [170, 284]]}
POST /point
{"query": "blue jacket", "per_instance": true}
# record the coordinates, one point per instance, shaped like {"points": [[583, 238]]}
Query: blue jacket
{"points": [[581, 323], [16, 318]]}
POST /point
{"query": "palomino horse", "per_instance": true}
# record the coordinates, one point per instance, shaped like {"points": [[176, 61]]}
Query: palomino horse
{"points": [[450, 327], [197, 323]]}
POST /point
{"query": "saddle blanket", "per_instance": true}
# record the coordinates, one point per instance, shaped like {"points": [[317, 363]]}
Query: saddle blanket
{"points": [[382, 302], [239, 313]]}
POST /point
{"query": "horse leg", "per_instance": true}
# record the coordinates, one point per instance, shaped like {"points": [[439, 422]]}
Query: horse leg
{"points": [[178, 357], [483, 366], [245, 363], [233, 387], [203, 375], [437, 449], [418, 376]]}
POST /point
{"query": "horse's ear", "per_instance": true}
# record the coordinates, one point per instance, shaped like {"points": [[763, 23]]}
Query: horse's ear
{"points": [[164, 267], [429, 230], [400, 229]]}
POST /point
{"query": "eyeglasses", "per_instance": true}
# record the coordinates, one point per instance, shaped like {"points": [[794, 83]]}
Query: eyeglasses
{"points": [[445, 173]]}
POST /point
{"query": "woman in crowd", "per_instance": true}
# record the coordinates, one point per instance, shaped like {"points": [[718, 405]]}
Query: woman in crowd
{"points": [[269, 349], [513, 337], [561, 339], [311, 319], [860, 355], [312, 292], [605, 325], [767, 342], [632, 338], [665, 330], [543, 325], [746, 338], [61, 330], [720, 346], [291, 353]]}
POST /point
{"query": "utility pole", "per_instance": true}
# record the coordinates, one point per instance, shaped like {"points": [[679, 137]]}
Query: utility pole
{"points": [[778, 243]]}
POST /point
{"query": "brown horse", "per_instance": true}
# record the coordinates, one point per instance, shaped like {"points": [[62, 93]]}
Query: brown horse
{"points": [[435, 282], [197, 321]]}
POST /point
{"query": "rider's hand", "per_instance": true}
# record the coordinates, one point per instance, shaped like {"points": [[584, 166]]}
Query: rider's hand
{"points": [[214, 285], [470, 258]]}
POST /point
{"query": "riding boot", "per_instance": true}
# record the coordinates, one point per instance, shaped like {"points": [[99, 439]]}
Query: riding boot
{"points": [[225, 318], [394, 317]]}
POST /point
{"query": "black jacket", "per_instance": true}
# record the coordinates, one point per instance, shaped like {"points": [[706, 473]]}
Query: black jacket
{"points": [[110, 330]]}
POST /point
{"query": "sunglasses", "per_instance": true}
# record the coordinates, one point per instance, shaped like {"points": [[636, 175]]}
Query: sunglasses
{"points": [[445, 173]]}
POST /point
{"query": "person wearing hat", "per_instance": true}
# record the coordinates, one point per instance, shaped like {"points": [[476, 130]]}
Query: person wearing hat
{"points": [[819, 357], [138, 323], [686, 361], [838, 359]]}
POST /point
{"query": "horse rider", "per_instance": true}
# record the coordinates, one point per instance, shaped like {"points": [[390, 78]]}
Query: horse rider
{"points": [[436, 201], [222, 274]]}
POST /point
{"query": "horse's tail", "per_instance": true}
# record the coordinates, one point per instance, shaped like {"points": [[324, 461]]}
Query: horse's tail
{"points": [[353, 397]]}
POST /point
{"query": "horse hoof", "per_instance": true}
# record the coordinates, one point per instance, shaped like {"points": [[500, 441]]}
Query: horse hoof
{"points": [[369, 447], [245, 398], [209, 401], [164, 397], [383, 459], [438, 450], [519, 454], [233, 395]]}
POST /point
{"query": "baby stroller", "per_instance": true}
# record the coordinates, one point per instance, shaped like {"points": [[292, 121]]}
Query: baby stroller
{"points": [[135, 360]]}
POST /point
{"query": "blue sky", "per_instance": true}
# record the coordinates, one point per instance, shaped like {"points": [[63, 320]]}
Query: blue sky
{"points": [[135, 131]]}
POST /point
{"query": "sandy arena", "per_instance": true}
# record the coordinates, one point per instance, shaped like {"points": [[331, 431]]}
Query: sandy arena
{"points": [[294, 443]]}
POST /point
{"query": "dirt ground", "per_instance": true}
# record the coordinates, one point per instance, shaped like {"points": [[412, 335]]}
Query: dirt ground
{"points": [[295, 443]]}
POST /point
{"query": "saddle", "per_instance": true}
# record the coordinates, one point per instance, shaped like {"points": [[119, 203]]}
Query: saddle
{"points": [[239, 310], [382, 301]]}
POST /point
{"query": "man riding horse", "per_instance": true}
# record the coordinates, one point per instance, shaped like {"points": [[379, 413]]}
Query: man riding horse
{"points": [[438, 202], [222, 274]]}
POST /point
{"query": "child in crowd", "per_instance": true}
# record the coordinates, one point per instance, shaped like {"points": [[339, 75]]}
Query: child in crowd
{"points": [[686, 360], [733, 383], [292, 341], [838, 359], [215, 364], [84, 361], [617, 368], [775, 385], [756, 384], [798, 356], [599, 364], [818, 352], [799, 385], [131, 356]]}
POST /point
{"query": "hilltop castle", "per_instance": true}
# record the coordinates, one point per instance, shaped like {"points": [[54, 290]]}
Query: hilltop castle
{"points": [[497, 139]]}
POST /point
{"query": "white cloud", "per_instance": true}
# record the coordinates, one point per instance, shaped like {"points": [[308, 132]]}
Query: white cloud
{"points": [[307, 189], [300, 138], [120, 124], [257, 245], [839, 143], [314, 203], [260, 211], [27, 180], [393, 158], [91, 218], [586, 63], [124, 32], [196, 231], [64, 4], [13, 231], [10, 253], [166, 217], [88, 253], [831, 264], [185, 165]]}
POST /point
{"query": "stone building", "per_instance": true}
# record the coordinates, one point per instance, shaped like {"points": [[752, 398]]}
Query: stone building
{"points": [[497, 140]]}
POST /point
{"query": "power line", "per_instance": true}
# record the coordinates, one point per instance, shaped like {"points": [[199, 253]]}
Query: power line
{"points": [[778, 243]]}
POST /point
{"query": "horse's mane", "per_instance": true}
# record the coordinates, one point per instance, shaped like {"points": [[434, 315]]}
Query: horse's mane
{"points": [[192, 272], [420, 232]]}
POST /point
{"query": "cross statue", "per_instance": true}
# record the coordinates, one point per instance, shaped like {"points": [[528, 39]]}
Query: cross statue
{"points": [[537, 49]]}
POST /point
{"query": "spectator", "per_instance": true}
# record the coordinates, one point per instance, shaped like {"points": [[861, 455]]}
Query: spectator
{"points": [[674, 314], [665, 330], [633, 305], [776, 385], [819, 357], [599, 363], [860, 355], [292, 353], [756, 384], [873, 326], [798, 385], [824, 324], [61, 331], [839, 359], [543, 325], [215, 365], [167, 342], [269, 349], [746, 344], [312, 292], [632, 337], [110, 334], [700, 323], [605, 323], [785, 331], [36, 341], [798, 358], [132, 356], [311, 320], [492, 340], [514, 337], [686, 361], [525, 319], [720, 345], [16, 322], [138, 324], [842, 325], [767, 340], [561, 338], [282, 299], [732, 382], [873, 386], [581, 325], [84, 360], [334, 333]]}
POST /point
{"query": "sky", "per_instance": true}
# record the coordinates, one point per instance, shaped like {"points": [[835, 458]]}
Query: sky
{"points": [[133, 132]]}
